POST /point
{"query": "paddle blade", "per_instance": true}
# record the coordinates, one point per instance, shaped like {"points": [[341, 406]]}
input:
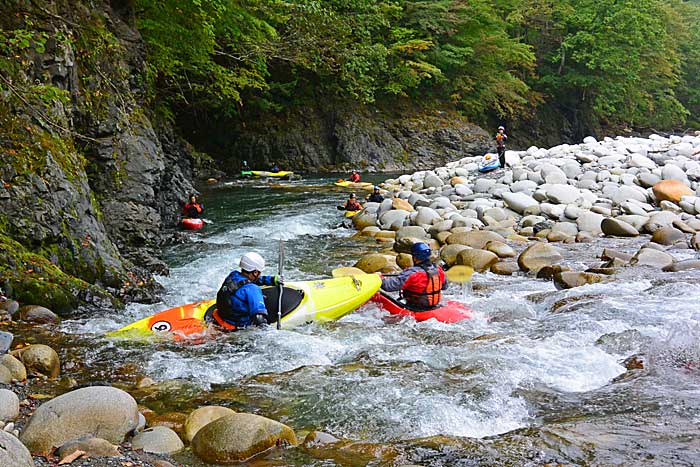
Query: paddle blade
{"points": [[459, 274], [347, 271]]}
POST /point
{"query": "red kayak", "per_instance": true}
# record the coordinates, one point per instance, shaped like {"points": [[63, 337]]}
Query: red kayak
{"points": [[450, 312], [192, 224]]}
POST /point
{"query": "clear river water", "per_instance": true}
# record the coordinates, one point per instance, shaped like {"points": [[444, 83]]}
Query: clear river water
{"points": [[536, 378]]}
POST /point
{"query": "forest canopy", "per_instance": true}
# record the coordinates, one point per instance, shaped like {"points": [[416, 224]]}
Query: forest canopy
{"points": [[602, 62]]}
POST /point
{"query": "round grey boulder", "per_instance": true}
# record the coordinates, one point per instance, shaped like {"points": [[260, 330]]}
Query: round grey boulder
{"points": [[13, 453], [101, 411], [617, 228], [9, 405], [157, 440]]}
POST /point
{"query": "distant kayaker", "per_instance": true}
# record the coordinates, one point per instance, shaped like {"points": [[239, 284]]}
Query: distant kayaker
{"points": [[354, 177], [422, 284], [193, 209], [245, 167], [275, 168], [501, 138], [351, 204], [375, 197], [240, 302]]}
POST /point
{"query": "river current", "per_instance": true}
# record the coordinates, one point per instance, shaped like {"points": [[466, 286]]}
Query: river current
{"points": [[536, 377]]}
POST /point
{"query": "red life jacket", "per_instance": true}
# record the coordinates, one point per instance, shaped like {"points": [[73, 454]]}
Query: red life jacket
{"points": [[423, 289], [192, 209], [355, 178], [352, 206]]}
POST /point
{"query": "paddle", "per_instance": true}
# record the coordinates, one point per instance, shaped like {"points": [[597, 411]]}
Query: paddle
{"points": [[280, 270], [459, 274]]}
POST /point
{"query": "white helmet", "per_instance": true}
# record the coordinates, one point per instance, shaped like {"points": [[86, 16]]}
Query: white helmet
{"points": [[252, 262]]}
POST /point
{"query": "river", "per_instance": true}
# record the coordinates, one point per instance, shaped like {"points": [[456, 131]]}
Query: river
{"points": [[536, 377]]}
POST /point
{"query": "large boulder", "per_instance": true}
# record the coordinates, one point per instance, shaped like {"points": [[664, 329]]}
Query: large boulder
{"points": [[91, 446], [538, 255], [671, 190], [617, 228], [685, 265], [503, 250], [16, 368], [202, 417], [449, 253], [479, 260], [571, 279], [401, 204], [412, 231], [101, 411], [13, 453], [563, 194], [9, 405], [235, 438], [157, 440], [519, 202], [392, 220], [38, 314], [652, 257], [505, 268], [589, 221], [667, 236], [376, 262], [365, 218], [41, 359], [475, 238]]}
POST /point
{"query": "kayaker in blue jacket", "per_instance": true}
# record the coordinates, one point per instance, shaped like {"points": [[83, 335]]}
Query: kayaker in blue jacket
{"points": [[240, 302]]}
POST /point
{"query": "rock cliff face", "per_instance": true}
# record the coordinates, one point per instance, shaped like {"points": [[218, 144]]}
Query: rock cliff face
{"points": [[338, 136], [88, 183], [90, 177]]}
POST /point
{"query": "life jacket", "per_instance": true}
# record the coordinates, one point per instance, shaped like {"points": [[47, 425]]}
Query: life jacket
{"points": [[354, 178], [423, 289], [224, 314], [352, 206], [500, 140], [192, 210]]}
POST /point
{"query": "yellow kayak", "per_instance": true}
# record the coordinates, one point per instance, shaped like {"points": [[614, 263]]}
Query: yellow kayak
{"points": [[350, 214], [358, 185], [302, 302], [265, 173]]}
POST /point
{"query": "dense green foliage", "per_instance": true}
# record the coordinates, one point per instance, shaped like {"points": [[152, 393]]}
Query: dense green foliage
{"points": [[601, 62]]}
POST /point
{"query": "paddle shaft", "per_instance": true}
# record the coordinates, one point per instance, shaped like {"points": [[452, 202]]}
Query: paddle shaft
{"points": [[280, 270]]}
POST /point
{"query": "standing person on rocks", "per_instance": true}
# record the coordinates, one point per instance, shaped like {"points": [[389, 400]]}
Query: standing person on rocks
{"points": [[351, 204], [375, 196], [422, 284], [240, 302], [501, 138], [193, 209], [354, 177]]}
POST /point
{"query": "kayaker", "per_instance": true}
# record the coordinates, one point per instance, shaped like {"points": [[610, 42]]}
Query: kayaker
{"points": [[354, 177], [245, 167], [240, 302], [275, 168], [375, 196], [351, 204], [501, 138], [193, 209], [422, 284]]}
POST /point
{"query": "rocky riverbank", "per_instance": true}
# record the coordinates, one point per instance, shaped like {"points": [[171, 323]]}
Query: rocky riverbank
{"points": [[520, 219]]}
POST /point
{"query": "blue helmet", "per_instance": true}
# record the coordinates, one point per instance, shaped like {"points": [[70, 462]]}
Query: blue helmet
{"points": [[421, 251]]}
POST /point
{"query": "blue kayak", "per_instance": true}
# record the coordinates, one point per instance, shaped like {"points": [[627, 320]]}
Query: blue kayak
{"points": [[489, 162]]}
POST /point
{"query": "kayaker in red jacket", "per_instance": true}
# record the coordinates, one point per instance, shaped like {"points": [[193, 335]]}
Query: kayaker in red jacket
{"points": [[422, 284], [354, 177], [351, 204], [193, 209]]}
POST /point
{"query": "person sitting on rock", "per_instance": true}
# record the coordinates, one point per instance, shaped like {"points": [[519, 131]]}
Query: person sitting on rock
{"points": [[501, 138], [239, 301], [422, 284], [375, 196], [354, 177], [193, 209], [351, 204]]}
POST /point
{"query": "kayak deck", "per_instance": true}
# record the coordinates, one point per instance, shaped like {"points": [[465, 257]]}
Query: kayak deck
{"points": [[450, 312], [311, 301]]}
